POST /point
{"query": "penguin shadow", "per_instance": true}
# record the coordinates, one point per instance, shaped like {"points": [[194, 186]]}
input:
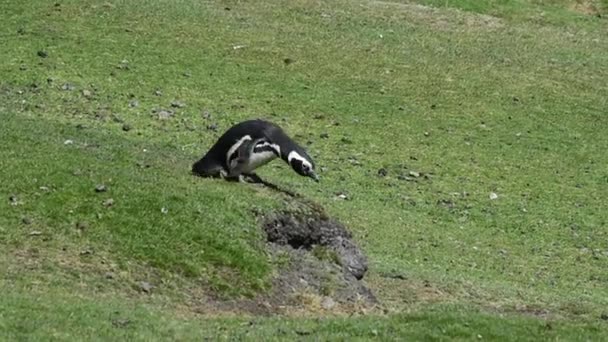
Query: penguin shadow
{"points": [[255, 179], [251, 178]]}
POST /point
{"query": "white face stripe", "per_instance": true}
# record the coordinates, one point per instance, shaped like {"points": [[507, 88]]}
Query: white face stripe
{"points": [[296, 155], [277, 149], [234, 147]]}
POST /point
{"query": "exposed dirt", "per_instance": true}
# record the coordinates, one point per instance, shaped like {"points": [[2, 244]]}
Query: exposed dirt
{"points": [[319, 268]]}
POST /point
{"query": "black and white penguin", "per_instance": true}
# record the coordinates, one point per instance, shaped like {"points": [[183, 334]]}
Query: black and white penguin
{"points": [[251, 144]]}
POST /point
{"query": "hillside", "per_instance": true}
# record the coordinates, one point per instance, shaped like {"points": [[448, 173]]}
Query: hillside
{"points": [[463, 146]]}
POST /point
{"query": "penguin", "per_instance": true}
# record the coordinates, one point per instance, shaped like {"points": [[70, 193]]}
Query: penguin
{"points": [[249, 145]]}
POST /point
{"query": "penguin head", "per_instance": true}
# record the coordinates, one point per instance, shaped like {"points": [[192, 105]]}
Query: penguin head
{"points": [[302, 164]]}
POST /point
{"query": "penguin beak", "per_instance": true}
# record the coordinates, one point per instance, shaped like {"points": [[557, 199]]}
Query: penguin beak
{"points": [[314, 176]]}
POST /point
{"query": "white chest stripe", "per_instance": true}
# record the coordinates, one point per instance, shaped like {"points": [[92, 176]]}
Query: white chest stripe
{"points": [[236, 145]]}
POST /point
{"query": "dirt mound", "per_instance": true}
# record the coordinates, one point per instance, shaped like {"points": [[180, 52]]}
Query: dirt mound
{"points": [[319, 267], [310, 230]]}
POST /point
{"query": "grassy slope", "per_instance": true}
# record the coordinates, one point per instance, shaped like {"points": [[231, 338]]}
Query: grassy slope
{"points": [[508, 107]]}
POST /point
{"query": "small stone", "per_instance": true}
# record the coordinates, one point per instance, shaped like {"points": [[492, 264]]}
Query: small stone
{"points": [[604, 316], [178, 104], [44, 188], [123, 65], [26, 220], [374, 332], [121, 322], [328, 303], [68, 142], [35, 233], [67, 87], [133, 103], [158, 93], [187, 74], [109, 275], [164, 210], [14, 200], [87, 93], [126, 127], [342, 196], [164, 114], [212, 127], [206, 115], [42, 54], [108, 203], [86, 251], [81, 225], [145, 286], [493, 196], [426, 134], [414, 174], [382, 172], [101, 188]]}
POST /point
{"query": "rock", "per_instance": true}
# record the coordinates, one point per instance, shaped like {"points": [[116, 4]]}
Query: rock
{"points": [[101, 188], [121, 322], [382, 172], [81, 225], [35, 233], [68, 142], [328, 303], [26, 220], [158, 93], [164, 210], [206, 115], [67, 87], [145, 286], [178, 104], [87, 93], [212, 127], [86, 251], [14, 200], [164, 114], [414, 174], [493, 196], [108, 203], [342, 196], [123, 65], [42, 54], [44, 188], [126, 127], [133, 103], [109, 275]]}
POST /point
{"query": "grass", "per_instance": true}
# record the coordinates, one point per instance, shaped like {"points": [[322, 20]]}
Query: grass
{"points": [[473, 105]]}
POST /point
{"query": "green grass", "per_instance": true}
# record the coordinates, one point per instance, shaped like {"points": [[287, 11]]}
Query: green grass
{"points": [[75, 318], [510, 105]]}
